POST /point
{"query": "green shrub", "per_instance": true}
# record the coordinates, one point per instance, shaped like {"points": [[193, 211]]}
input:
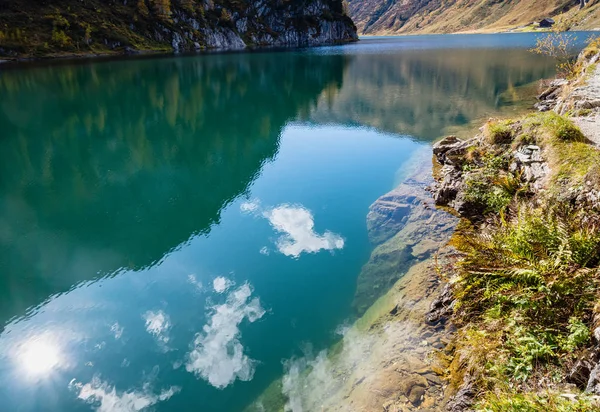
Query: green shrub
{"points": [[531, 274], [579, 335], [527, 349], [499, 132], [490, 198], [60, 38]]}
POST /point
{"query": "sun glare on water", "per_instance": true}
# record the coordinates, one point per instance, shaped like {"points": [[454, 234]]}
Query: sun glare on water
{"points": [[39, 357]]}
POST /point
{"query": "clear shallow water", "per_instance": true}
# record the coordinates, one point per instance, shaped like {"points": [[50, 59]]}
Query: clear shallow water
{"points": [[171, 229]]}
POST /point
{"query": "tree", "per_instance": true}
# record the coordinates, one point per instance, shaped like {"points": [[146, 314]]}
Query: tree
{"points": [[162, 8]]}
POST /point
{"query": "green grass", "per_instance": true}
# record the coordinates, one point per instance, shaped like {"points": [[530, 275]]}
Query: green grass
{"points": [[499, 132], [562, 128], [535, 403]]}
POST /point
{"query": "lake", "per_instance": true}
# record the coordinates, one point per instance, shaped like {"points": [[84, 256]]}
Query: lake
{"points": [[172, 229]]}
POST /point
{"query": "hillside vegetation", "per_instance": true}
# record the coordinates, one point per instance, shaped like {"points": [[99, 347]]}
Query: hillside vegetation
{"points": [[525, 287], [450, 16], [33, 28]]}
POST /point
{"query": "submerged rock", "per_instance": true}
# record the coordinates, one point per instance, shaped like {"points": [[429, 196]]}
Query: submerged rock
{"points": [[407, 228], [442, 306]]}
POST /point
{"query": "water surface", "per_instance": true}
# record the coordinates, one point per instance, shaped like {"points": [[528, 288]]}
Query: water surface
{"points": [[172, 229]]}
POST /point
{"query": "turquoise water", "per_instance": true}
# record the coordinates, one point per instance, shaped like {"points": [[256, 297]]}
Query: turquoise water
{"points": [[173, 229]]}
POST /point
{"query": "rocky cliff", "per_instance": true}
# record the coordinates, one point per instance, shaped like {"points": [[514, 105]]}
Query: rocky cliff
{"points": [[41, 28], [441, 16]]}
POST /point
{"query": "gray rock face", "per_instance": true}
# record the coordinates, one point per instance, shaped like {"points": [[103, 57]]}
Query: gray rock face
{"points": [[262, 23], [593, 385], [449, 188], [529, 163], [222, 38]]}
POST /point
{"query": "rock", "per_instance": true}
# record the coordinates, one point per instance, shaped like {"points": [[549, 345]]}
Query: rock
{"points": [[529, 162], [464, 398], [441, 307], [411, 384], [548, 92], [414, 364], [445, 144], [559, 82], [451, 150], [587, 104], [433, 379], [593, 384], [407, 228], [543, 106], [597, 334], [416, 395], [448, 188], [580, 373], [428, 403]]}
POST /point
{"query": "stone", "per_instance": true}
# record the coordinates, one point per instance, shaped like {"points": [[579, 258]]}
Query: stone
{"points": [[441, 307], [412, 363], [433, 379], [580, 373], [559, 82], [448, 188], [593, 384], [597, 334], [464, 398], [410, 383], [416, 395], [548, 92]]}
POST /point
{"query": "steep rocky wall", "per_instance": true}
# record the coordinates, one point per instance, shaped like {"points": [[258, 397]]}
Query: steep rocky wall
{"points": [[33, 29]]}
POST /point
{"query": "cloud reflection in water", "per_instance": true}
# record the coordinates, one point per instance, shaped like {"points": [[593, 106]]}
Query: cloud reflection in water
{"points": [[297, 227], [105, 397], [217, 354]]}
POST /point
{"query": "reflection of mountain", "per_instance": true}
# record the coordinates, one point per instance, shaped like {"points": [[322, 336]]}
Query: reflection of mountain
{"points": [[422, 93], [112, 165]]}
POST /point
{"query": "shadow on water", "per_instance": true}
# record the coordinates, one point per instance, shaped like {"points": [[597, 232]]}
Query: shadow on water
{"points": [[112, 165]]}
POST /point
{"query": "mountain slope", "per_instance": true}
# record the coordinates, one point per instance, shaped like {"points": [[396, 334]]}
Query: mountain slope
{"points": [[447, 16], [50, 27]]}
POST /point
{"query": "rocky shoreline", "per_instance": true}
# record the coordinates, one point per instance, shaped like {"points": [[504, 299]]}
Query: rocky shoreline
{"points": [[77, 31], [528, 195]]}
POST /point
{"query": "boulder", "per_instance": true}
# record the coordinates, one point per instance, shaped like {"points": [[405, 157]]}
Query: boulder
{"points": [[449, 186], [451, 150]]}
